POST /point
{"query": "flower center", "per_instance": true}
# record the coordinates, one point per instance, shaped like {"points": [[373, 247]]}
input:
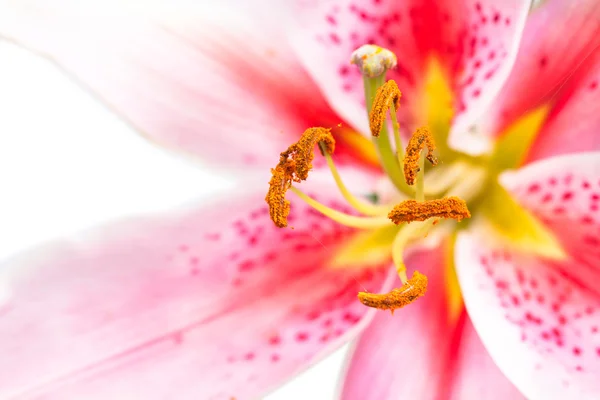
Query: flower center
{"points": [[404, 166]]}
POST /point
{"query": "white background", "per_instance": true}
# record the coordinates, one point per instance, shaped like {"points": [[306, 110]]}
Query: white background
{"points": [[67, 163]]}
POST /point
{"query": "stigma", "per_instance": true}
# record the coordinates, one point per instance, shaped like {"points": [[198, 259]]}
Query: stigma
{"points": [[372, 60]]}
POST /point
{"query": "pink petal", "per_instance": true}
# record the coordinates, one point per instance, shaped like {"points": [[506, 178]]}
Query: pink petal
{"points": [[476, 375], [201, 303], [537, 317], [463, 35], [558, 38], [219, 82], [574, 122], [420, 353]]}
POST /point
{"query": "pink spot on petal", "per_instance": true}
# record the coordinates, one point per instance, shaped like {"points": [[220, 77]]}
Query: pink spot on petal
{"points": [[335, 38], [301, 336], [275, 340]]}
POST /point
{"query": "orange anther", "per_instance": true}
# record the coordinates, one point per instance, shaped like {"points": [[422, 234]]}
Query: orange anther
{"points": [[293, 166], [414, 288]]}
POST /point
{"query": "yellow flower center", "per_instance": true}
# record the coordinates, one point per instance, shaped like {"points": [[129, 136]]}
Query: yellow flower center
{"points": [[442, 193]]}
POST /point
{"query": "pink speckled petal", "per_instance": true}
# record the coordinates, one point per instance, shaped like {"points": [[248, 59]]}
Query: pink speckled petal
{"points": [[564, 193], [215, 81], [475, 41], [419, 353], [476, 375], [558, 39], [574, 122], [539, 318], [202, 303]]}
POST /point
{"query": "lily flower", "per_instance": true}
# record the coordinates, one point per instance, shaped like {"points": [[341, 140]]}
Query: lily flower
{"points": [[216, 302]]}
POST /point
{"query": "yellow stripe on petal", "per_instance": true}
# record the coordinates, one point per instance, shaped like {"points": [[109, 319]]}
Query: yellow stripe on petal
{"points": [[438, 103], [360, 146], [366, 248], [455, 299], [514, 143], [517, 227]]}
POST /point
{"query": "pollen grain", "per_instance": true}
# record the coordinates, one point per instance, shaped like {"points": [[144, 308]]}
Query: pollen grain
{"points": [[414, 288], [419, 140], [294, 165], [388, 95], [412, 210]]}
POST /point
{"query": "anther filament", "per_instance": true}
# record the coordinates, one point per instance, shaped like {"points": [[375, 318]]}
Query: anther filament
{"points": [[358, 204], [343, 218]]}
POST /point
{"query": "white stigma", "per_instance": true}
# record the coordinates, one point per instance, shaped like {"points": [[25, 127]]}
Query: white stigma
{"points": [[373, 60]]}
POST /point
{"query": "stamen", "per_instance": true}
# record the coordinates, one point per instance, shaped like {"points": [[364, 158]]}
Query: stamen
{"points": [[293, 166], [358, 204], [418, 141], [412, 210], [414, 288], [388, 95], [373, 60], [340, 217], [387, 98]]}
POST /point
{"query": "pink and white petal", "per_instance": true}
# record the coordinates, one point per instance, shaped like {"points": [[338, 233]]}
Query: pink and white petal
{"points": [[489, 54], [206, 302], [475, 375], [215, 81], [540, 327], [419, 352], [564, 193], [537, 317], [559, 36], [573, 124], [463, 35]]}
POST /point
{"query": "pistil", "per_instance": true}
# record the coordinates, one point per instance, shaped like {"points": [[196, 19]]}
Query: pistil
{"points": [[373, 63]]}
